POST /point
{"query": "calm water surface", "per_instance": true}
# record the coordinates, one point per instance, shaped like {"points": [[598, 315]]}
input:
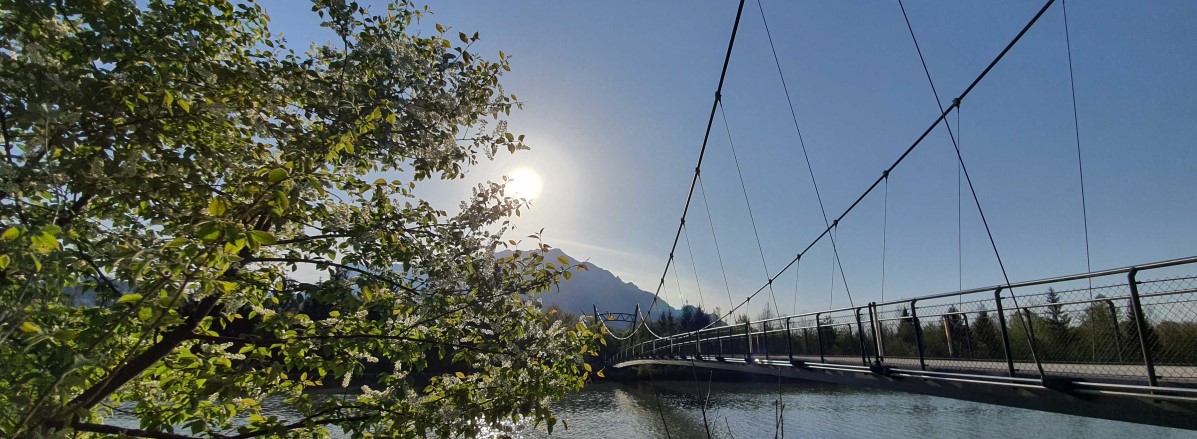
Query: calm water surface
{"points": [[612, 410], [746, 410]]}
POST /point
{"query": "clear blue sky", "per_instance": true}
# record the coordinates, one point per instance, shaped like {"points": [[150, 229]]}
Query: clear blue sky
{"points": [[617, 98]]}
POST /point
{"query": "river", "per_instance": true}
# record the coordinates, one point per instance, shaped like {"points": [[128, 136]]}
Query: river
{"points": [[746, 410]]}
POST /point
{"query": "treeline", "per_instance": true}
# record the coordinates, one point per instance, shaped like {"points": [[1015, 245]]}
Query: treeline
{"points": [[689, 318], [1102, 331]]}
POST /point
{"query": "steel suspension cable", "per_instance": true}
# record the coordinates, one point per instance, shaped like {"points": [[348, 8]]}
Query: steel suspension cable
{"points": [[744, 190], [884, 226], [718, 254], [1076, 125], [796, 268], [696, 178], [918, 141], [697, 283], [806, 157], [971, 188], [701, 153], [648, 328], [831, 291], [681, 295], [1080, 168], [959, 215]]}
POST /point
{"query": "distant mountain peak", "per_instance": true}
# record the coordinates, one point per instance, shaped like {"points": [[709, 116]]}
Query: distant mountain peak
{"points": [[596, 287]]}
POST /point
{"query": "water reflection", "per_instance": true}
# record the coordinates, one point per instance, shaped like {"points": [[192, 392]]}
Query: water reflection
{"points": [[613, 410], [746, 410]]}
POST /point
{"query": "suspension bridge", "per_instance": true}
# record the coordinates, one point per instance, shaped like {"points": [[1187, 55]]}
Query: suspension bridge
{"points": [[1117, 344]]}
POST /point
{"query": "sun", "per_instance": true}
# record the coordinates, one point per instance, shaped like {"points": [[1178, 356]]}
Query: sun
{"points": [[523, 183]]}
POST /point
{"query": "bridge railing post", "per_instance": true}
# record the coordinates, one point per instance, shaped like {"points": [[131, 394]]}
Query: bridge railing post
{"points": [[997, 299], [918, 334], [968, 338], [1141, 327], [747, 343], [878, 344], [860, 338], [819, 336], [719, 336], [765, 338], [789, 341]]}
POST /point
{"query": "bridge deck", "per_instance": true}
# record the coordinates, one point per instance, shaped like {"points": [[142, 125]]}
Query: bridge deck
{"points": [[1123, 373], [1112, 344], [1165, 406]]}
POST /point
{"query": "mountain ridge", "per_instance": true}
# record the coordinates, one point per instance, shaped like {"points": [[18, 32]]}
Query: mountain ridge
{"points": [[596, 287]]}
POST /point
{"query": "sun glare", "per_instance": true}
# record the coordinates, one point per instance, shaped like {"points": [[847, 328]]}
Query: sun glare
{"points": [[523, 183]]}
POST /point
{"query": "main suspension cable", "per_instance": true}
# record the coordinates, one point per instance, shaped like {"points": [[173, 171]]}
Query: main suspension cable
{"points": [[806, 157], [918, 141], [701, 153], [968, 179]]}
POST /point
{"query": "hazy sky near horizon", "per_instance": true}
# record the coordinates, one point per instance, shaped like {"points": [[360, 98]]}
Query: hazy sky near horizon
{"points": [[617, 98]]}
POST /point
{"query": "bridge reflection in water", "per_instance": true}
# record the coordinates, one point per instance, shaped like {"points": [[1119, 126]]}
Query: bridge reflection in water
{"points": [[1117, 344]]}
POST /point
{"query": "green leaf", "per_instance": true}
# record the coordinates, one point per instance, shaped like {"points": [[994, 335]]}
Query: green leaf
{"points": [[43, 242], [261, 237], [209, 231], [460, 375], [177, 242], [276, 175], [217, 207], [30, 328], [133, 297], [12, 233], [4, 261], [563, 260]]}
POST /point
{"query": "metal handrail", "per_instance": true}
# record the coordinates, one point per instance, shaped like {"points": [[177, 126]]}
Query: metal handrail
{"points": [[760, 337]]}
